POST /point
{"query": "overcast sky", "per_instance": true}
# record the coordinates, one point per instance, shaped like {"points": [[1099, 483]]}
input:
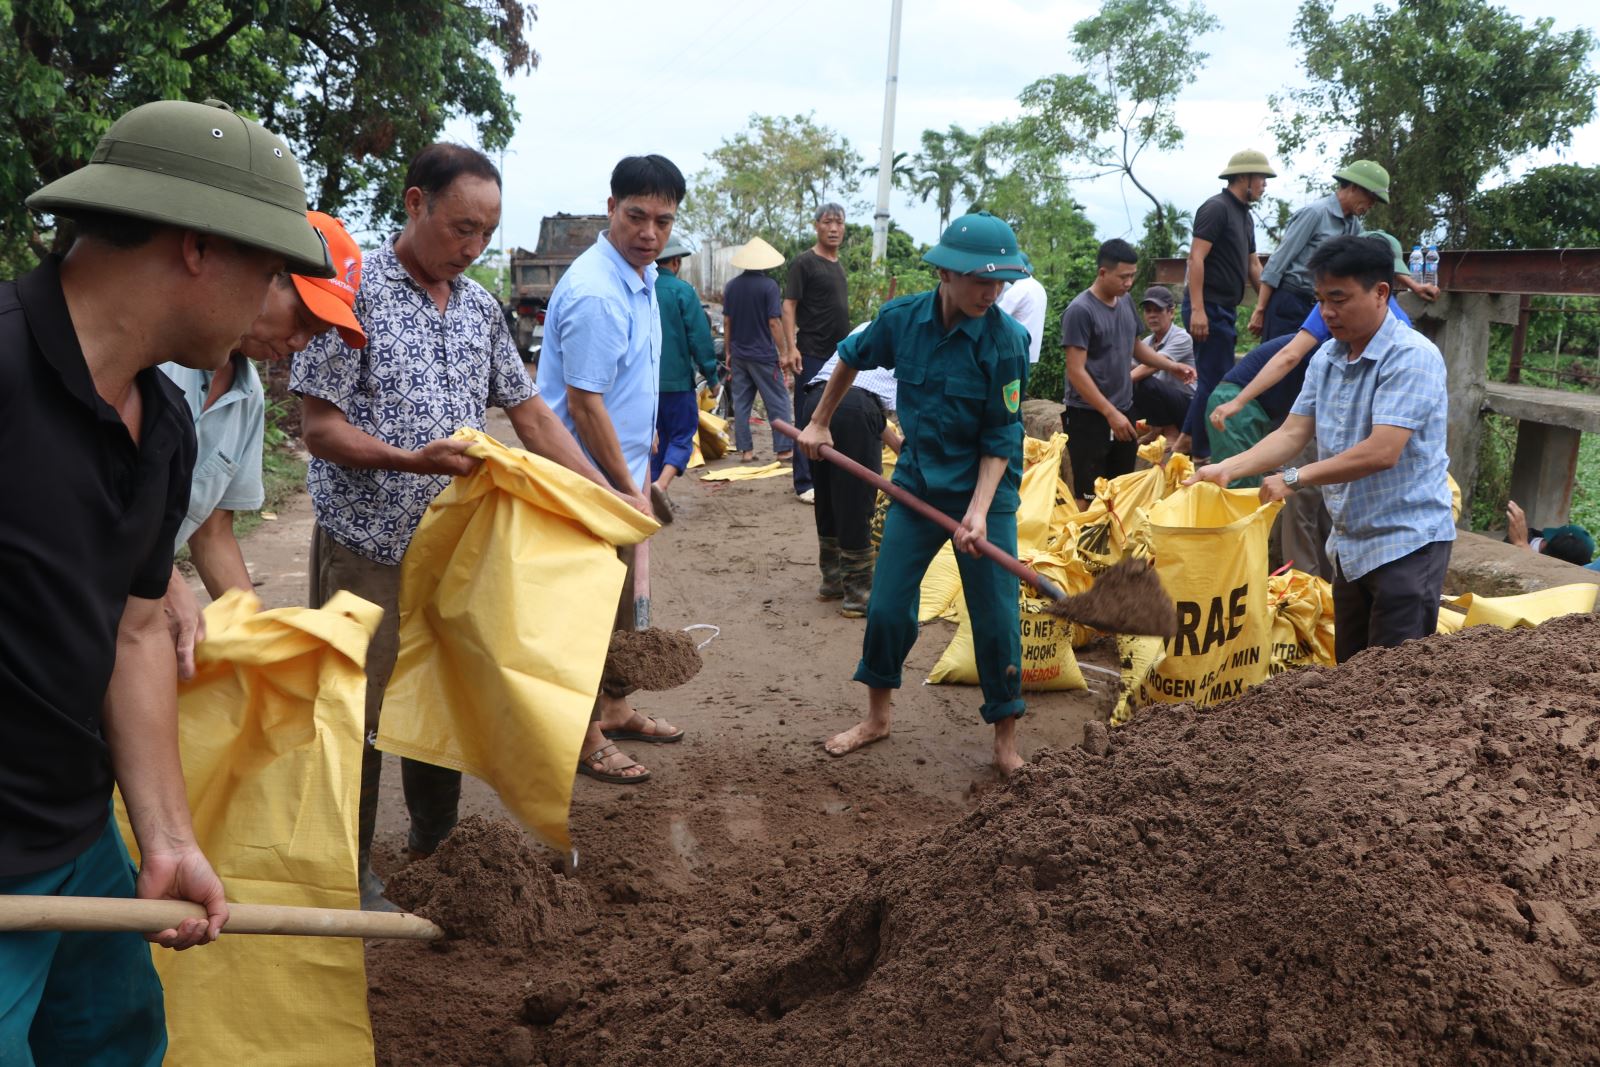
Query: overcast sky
{"points": [[620, 77]]}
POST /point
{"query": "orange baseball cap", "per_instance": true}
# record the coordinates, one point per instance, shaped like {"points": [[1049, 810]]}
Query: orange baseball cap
{"points": [[334, 299]]}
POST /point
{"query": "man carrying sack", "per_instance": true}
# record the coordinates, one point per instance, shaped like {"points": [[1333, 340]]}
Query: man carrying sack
{"points": [[1376, 403], [961, 365], [185, 215]]}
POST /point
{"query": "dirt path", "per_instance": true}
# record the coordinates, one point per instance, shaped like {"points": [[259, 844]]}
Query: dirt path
{"points": [[747, 803]]}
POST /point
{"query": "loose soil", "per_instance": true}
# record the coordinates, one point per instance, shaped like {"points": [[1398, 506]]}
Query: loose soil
{"points": [[1127, 598], [652, 659], [1392, 863]]}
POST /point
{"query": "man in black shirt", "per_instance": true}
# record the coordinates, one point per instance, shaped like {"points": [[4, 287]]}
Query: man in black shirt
{"points": [[184, 216], [816, 315], [1222, 261]]}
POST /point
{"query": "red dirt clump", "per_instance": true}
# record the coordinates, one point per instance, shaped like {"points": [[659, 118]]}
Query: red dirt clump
{"points": [[650, 659]]}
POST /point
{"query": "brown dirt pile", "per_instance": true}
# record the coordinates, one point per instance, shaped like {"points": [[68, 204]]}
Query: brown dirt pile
{"points": [[1127, 598], [485, 884], [650, 659], [1391, 863]]}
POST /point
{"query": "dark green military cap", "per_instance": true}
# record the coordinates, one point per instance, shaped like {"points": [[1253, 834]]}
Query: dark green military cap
{"points": [[979, 244], [200, 167]]}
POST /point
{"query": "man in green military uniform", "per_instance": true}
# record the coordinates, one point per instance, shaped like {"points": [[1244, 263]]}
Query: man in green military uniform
{"points": [[686, 347], [962, 367]]}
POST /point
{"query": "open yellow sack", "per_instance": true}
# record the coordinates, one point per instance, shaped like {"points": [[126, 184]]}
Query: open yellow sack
{"points": [[1526, 609], [1302, 621], [1209, 546], [745, 474], [1137, 656], [507, 598], [1103, 531], [1048, 663], [269, 730], [713, 437]]}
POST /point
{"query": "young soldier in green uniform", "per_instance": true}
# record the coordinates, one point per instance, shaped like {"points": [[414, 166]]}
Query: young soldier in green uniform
{"points": [[962, 366]]}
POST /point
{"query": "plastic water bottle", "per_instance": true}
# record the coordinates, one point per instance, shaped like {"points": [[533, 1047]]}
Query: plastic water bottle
{"points": [[1415, 263], [1430, 266]]}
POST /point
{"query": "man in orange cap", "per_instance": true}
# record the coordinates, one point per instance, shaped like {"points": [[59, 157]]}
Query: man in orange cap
{"points": [[229, 412]]}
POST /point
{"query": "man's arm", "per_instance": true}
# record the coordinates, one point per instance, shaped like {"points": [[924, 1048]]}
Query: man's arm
{"points": [[328, 435], [1156, 361], [185, 623], [789, 343], [702, 350], [542, 433], [1083, 385], [1199, 325], [593, 424], [975, 523], [216, 555], [140, 723], [1253, 270], [1271, 452], [1429, 293], [1277, 368], [788, 356]]}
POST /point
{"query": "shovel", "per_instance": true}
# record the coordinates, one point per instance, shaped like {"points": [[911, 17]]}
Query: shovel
{"points": [[1126, 599], [153, 916]]}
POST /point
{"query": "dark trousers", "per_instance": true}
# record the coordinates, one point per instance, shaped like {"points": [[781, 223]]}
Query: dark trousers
{"points": [[1286, 310], [804, 478], [1396, 602], [432, 793], [1093, 451], [1213, 358], [844, 503], [677, 425], [1159, 401]]}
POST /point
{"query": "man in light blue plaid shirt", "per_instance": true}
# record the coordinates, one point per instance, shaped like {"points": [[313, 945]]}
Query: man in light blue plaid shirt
{"points": [[1376, 401]]}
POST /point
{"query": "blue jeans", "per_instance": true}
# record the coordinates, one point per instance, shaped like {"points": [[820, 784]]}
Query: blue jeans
{"points": [[1213, 358], [750, 378], [81, 999], [677, 425]]}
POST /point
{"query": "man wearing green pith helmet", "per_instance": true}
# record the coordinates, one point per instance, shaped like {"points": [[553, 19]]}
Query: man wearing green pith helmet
{"points": [[961, 366]]}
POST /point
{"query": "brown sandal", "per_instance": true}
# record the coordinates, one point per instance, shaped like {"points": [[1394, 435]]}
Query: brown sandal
{"points": [[594, 765], [647, 735]]}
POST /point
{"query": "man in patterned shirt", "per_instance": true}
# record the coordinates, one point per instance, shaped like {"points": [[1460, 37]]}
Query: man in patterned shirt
{"points": [[1375, 400], [378, 421]]}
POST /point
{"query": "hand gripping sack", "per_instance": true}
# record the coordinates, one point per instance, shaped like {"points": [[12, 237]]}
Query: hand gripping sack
{"points": [[1209, 546]]}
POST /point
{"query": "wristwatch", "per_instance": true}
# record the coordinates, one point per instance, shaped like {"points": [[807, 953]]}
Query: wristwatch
{"points": [[1291, 477]]}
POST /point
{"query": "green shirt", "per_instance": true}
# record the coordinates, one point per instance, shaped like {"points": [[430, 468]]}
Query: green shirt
{"points": [[959, 396], [685, 335]]}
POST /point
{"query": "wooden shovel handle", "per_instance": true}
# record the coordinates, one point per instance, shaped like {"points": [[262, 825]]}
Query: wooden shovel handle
{"points": [[1011, 563], [153, 916]]}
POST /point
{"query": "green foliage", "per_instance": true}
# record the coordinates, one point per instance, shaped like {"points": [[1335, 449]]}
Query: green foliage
{"points": [[492, 270], [355, 86], [1441, 92], [1139, 55], [1166, 236], [283, 472], [1551, 207], [951, 164], [769, 179]]}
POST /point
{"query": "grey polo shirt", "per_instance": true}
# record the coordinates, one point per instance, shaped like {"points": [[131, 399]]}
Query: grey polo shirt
{"points": [[1308, 228], [227, 468]]}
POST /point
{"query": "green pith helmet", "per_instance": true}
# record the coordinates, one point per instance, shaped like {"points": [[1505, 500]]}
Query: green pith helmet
{"points": [[979, 244], [1367, 174], [1248, 162], [676, 246], [1400, 266], [199, 167]]}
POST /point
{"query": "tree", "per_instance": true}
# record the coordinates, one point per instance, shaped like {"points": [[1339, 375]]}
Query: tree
{"points": [[950, 163], [1442, 92], [355, 86], [1140, 54], [769, 179], [1552, 207], [902, 173]]}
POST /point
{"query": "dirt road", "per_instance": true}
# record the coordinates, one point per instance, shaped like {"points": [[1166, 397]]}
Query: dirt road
{"points": [[747, 791]]}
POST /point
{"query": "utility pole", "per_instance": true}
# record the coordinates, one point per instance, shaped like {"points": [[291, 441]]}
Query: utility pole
{"points": [[880, 219]]}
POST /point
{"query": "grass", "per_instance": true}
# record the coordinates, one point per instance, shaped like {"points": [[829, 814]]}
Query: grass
{"points": [[283, 472]]}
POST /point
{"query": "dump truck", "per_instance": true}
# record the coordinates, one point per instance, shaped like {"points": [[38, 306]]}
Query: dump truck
{"points": [[534, 274]]}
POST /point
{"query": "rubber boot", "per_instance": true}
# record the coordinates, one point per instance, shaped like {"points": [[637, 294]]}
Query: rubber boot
{"points": [[832, 587], [856, 569], [369, 884]]}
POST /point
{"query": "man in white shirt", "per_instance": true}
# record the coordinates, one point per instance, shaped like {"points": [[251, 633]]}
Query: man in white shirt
{"points": [[1025, 301]]}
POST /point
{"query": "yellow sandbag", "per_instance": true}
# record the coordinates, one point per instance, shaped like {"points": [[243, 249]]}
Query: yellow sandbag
{"points": [[1137, 656], [507, 598], [1048, 664], [1528, 609], [1102, 532], [696, 459], [1210, 550], [941, 587], [1072, 575], [1038, 491], [713, 436], [1455, 498], [1450, 621], [1302, 621], [269, 730], [880, 509], [745, 474], [706, 399]]}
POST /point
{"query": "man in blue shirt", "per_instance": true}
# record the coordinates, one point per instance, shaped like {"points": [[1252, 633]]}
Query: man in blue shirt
{"points": [[961, 365], [1376, 403], [601, 368]]}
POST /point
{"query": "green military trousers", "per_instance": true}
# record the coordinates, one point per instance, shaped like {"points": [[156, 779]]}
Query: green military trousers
{"points": [[909, 544]]}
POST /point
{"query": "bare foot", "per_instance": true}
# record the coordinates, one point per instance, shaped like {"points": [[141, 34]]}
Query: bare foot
{"points": [[1006, 757], [746, 457], [860, 735]]}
